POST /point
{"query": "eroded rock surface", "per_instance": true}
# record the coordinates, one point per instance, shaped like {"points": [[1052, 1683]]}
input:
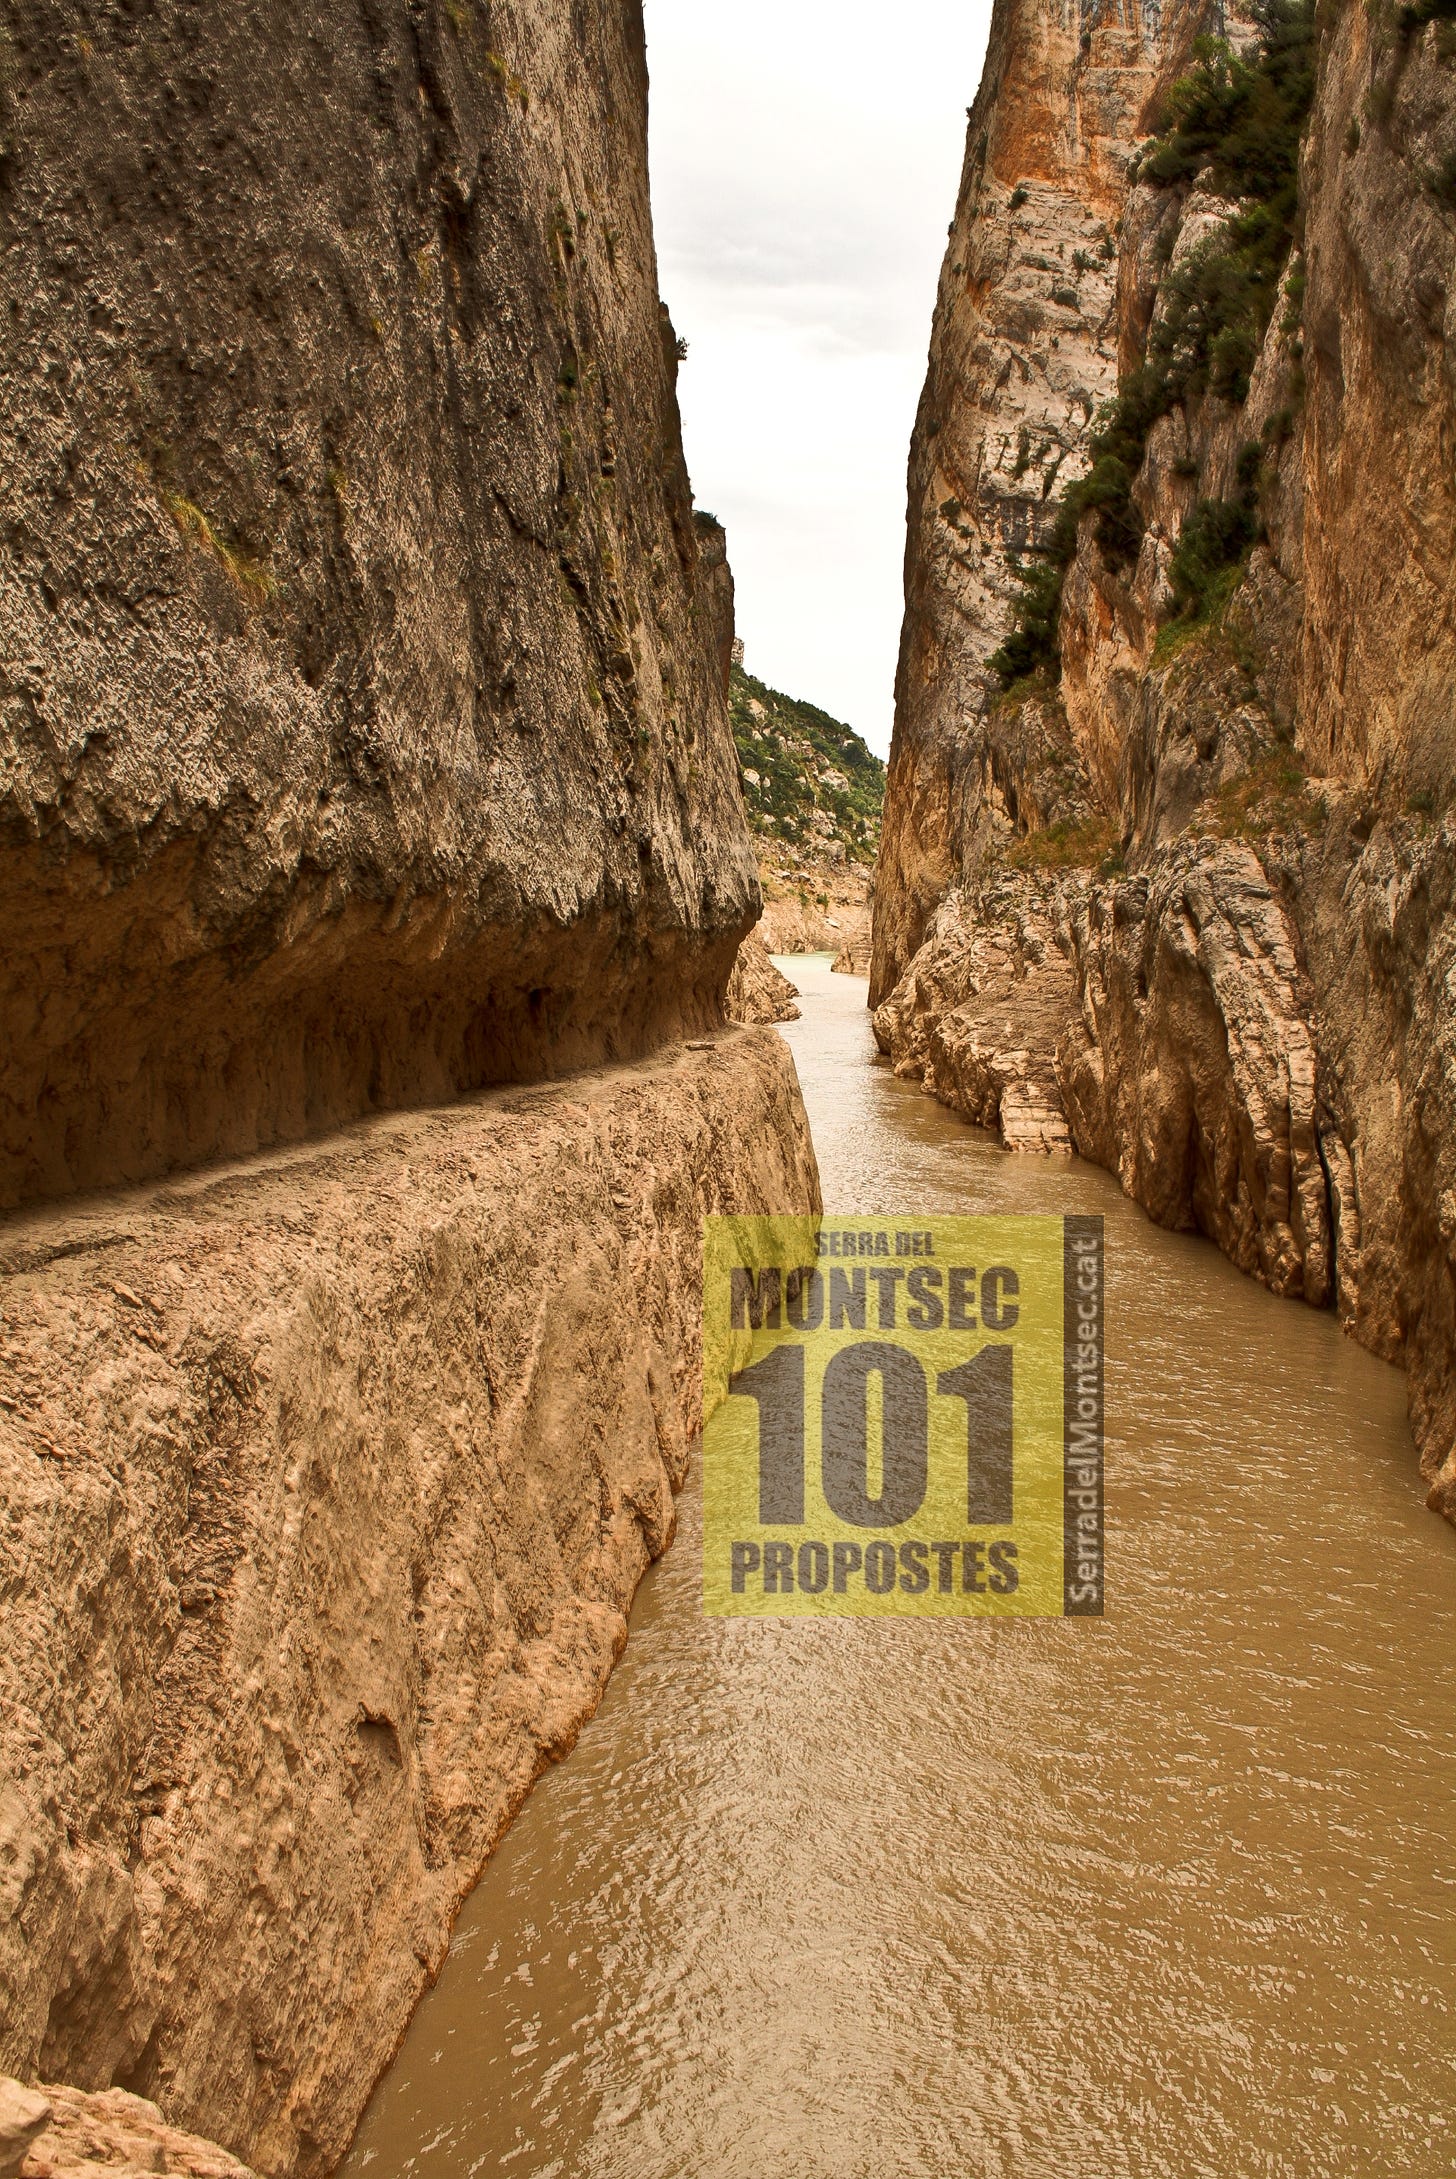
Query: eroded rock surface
{"points": [[329, 1478], [24, 2114], [1023, 352], [757, 990], [363, 741], [362, 719], [110, 2135], [977, 1015], [1190, 1066], [1227, 811]]}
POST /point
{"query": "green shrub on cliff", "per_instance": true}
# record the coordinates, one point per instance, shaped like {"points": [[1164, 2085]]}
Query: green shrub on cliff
{"points": [[1421, 12], [796, 763], [1236, 123], [1209, 554], [1240, 121]]}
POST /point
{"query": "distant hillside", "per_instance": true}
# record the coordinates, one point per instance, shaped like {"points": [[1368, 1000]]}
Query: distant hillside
{"points": [[807, 779]]}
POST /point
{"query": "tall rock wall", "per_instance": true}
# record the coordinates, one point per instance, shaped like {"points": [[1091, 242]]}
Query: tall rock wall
{"points": [[1195, 875], [1023, 353], [363, 744], [362, 735], [328, 1481]]}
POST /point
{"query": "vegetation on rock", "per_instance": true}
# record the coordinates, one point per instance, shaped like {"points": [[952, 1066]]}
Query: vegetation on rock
{"points": [[1234, 125], [807, 778]]}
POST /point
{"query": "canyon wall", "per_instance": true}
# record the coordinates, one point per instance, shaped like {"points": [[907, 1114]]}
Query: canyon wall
{"points": [[363, 750], [1023, 352], [361, 707], [329, 1478], [1171, 872], [757, 990]]}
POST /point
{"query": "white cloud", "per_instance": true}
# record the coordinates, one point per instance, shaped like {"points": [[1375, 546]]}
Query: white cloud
{"points": [[805, 159]]}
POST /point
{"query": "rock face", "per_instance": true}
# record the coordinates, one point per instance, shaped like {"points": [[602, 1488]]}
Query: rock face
{"points": [[24, 2114], [757, 991], [362, 731], [1195, 876], [1024, 349], [1189, 1067], [329, 1478], [363, 744], [111, 2134], [977, 1015]]}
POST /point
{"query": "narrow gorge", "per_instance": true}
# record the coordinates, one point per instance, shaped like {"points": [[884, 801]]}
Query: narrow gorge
{"points": [[402, 875], [1166, 874], [372, 866]]}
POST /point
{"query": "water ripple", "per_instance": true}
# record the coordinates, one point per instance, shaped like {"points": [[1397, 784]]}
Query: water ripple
{"points": [[1164, 1896]]}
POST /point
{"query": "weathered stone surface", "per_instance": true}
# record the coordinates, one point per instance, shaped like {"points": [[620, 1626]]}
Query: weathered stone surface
{"points": [[1378, 560], [328, 1480], [1023, 351], [977, 1015], [757, 990], [1262, 1016], [1376, 903], [113, 2135], [24, 2113], [1191, 1070], [362, 728]]}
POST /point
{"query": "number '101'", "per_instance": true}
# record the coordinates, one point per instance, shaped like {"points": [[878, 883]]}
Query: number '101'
{"points": [[985, 1385]]}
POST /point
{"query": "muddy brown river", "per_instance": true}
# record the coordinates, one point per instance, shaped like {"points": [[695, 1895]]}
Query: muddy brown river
{"points": [[1172, 1893]]}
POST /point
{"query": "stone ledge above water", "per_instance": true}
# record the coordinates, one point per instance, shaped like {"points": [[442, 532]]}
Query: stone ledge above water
{"points": [[330, 1478]]}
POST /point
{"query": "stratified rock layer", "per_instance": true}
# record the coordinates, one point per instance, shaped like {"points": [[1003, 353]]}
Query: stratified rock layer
{"points": [[329, 1478], [1229, 842], [362, 727]]}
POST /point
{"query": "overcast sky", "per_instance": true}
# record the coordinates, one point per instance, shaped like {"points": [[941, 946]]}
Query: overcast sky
{"points": [[805, 158]]}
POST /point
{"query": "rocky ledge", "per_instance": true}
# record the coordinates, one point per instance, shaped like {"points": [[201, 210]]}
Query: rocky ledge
{"points": [[329, 1478], [61, 2133]]}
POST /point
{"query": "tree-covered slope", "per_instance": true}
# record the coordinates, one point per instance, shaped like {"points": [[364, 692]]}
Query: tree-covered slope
{"points": [[807, 778]]}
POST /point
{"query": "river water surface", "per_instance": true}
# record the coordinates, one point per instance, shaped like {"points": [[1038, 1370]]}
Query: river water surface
{"points": [[1172, 1893]]}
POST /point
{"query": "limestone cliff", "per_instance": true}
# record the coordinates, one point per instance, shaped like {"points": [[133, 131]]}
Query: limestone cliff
{"points": [[361, 714], [757, 991], [1024, 350], [363, 744], [1168, 832], [329, 1477]]}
